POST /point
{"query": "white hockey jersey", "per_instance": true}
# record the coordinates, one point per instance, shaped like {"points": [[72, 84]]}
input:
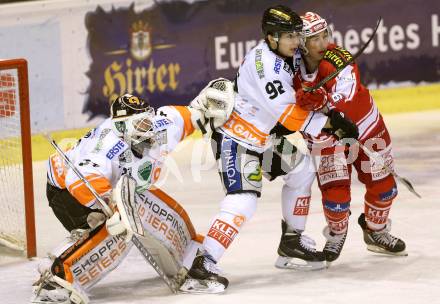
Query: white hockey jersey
{"points": [[265, 97], [102, 157]]}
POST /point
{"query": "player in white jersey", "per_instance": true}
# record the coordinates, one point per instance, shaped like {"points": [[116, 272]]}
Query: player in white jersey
{"points": [[134, 141], [265, 98]]}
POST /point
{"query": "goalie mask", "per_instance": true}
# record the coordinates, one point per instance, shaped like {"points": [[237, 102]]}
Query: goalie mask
{"points": [[132, 120], [313, 24]]}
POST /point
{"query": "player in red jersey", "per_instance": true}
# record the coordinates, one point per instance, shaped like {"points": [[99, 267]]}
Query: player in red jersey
{"points": [[346, 94]]}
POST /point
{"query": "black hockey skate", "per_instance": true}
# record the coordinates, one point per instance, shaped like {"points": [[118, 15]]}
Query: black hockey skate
{"points": [[334, 245], [203, 277], [296, 251], [382, 241]]}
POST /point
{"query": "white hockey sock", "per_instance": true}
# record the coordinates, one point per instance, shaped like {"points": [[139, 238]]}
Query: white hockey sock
{"points": [[295, 205], [235, 210], [295, 197]]}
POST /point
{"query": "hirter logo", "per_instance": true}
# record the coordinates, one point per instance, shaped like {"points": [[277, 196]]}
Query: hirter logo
{"points": [[222, 232], [302, 206]]}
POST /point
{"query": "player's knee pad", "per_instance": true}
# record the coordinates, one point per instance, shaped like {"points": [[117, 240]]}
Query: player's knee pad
{"points": [[241, 205], [336, 203], [381, 191], [239, 168], [236, 210], [86, 259], [378, 201], [302, 176]]}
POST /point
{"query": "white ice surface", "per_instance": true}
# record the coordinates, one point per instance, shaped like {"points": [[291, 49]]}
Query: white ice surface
{"points": [[358, 276]]}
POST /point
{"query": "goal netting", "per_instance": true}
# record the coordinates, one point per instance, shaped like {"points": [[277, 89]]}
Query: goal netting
{"points": [[17, 228]]}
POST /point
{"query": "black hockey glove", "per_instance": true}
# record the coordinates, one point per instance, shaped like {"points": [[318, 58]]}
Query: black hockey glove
{"points": [[341, 126]]}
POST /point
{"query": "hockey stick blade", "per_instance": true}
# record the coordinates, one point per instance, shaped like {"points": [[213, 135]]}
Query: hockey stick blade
{"points": [[108, 212], [335, 73], [403, 180]]}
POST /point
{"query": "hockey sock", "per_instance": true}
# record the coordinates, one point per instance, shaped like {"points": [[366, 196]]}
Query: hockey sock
{"points": [[235, 210]]}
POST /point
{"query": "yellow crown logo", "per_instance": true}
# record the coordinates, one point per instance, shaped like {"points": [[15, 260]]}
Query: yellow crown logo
{"points": [[140, 26]]}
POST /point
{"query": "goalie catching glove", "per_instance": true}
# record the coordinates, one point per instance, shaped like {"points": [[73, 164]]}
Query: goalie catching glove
{"points": [[213, 105]]}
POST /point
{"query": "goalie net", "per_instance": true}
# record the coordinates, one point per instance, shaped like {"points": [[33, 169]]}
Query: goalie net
{"points": [[17, 227]]}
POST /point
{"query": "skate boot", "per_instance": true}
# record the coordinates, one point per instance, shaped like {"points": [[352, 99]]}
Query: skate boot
{"points": [[382, 241], [334, 245], [204, 276], [50, 289], [296, 251]]}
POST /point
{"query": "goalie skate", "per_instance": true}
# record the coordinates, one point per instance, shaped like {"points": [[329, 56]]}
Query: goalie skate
{"points": [[382, 241], [50, 289], [203, 277], [296, 251]]}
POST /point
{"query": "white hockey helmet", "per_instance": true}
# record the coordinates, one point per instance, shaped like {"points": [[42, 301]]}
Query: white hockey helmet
{"points": [[313, 24], [132, 119]]}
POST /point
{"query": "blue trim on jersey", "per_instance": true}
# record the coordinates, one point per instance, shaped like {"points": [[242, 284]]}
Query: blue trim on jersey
{"points": [[389, 195], [230, 167], [336, 207]]}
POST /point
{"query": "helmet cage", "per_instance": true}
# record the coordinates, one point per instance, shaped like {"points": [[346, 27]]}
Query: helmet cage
{"points": [[136, 128]]}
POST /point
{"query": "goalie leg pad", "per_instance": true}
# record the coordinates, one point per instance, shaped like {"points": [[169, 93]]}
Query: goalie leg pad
{"points": [[84, 261]]}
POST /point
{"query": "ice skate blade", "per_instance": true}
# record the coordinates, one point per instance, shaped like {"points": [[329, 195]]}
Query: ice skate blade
{"points": [[206, 287], [37, 301], [298, 264], [45, 300], [380, 250]]}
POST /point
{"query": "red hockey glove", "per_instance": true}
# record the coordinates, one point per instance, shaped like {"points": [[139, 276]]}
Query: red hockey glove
{"points": [[311, 101]]}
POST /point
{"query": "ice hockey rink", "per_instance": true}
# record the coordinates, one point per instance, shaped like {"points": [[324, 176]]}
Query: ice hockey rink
{"points": [[358, 276]]}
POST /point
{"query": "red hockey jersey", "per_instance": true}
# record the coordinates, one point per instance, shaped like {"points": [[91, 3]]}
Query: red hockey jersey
{"points": [[345, 91]]}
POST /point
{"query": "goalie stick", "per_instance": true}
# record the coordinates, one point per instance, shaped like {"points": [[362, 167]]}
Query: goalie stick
{"points": [[335, 73], [108, 212]]}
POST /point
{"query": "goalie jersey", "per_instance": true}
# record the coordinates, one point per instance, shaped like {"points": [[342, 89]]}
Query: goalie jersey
{"points": [[265, 97], [102, 157]]}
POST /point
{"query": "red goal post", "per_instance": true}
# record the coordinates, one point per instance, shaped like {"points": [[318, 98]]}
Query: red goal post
{"points": [[18, 229]]}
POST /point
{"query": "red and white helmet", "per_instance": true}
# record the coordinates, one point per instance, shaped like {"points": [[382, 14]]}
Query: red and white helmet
{"points": [[313, 24]]}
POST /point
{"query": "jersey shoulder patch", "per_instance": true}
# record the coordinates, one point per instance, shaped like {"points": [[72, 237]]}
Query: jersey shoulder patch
{"points": [[337, 56]]}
